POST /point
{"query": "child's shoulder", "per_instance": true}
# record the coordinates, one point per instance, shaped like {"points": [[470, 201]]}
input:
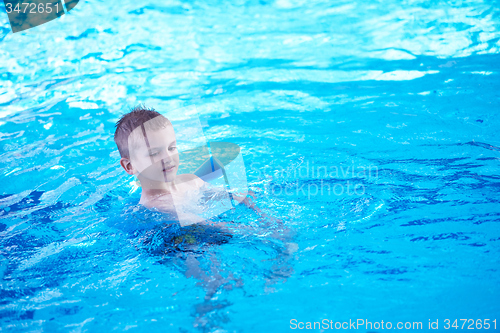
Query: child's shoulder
{"points": [[191, 178]]}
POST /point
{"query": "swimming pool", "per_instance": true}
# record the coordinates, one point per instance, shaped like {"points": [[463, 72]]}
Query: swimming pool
{"points": [[369, 129]]}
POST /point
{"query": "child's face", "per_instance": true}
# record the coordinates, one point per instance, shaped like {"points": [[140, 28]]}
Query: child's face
{"points": [[155, 157]]}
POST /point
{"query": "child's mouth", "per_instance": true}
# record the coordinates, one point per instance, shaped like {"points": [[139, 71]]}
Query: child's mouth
{"points": [[169, 169]]}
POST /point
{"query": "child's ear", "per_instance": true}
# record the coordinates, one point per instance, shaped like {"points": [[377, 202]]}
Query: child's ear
{"points": [[127, 166]]}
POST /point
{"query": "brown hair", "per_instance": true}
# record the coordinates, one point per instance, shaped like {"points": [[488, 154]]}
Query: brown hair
{"points": [[133, 119]]}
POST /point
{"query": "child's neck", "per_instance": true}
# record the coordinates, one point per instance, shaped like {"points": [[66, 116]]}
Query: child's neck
{"points": [[151, 189]]}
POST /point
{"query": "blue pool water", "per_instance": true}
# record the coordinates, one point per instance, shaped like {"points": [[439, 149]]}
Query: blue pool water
{"points": [[369, 132]]}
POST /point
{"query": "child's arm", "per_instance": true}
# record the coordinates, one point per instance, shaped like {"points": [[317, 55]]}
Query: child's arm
{"points": [[250, 204], [278, 230]]}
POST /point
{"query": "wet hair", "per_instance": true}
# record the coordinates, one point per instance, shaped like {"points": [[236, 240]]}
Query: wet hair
{"points": [[133, 119]]}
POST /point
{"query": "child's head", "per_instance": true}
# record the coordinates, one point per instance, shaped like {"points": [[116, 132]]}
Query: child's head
{"points": [[147, 145]]}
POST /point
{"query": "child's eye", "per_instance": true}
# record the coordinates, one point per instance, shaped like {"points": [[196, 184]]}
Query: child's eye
{"points": [[172, 148], [153, 154]]}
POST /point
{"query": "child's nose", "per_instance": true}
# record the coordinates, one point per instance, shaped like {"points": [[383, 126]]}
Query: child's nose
{"points": [[167, 156]]}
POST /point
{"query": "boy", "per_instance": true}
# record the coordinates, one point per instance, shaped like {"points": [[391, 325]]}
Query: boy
{"points": [[147, 145]]}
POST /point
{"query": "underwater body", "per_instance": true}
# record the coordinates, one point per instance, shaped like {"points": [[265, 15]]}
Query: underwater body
{"points": [[369, 135]]}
